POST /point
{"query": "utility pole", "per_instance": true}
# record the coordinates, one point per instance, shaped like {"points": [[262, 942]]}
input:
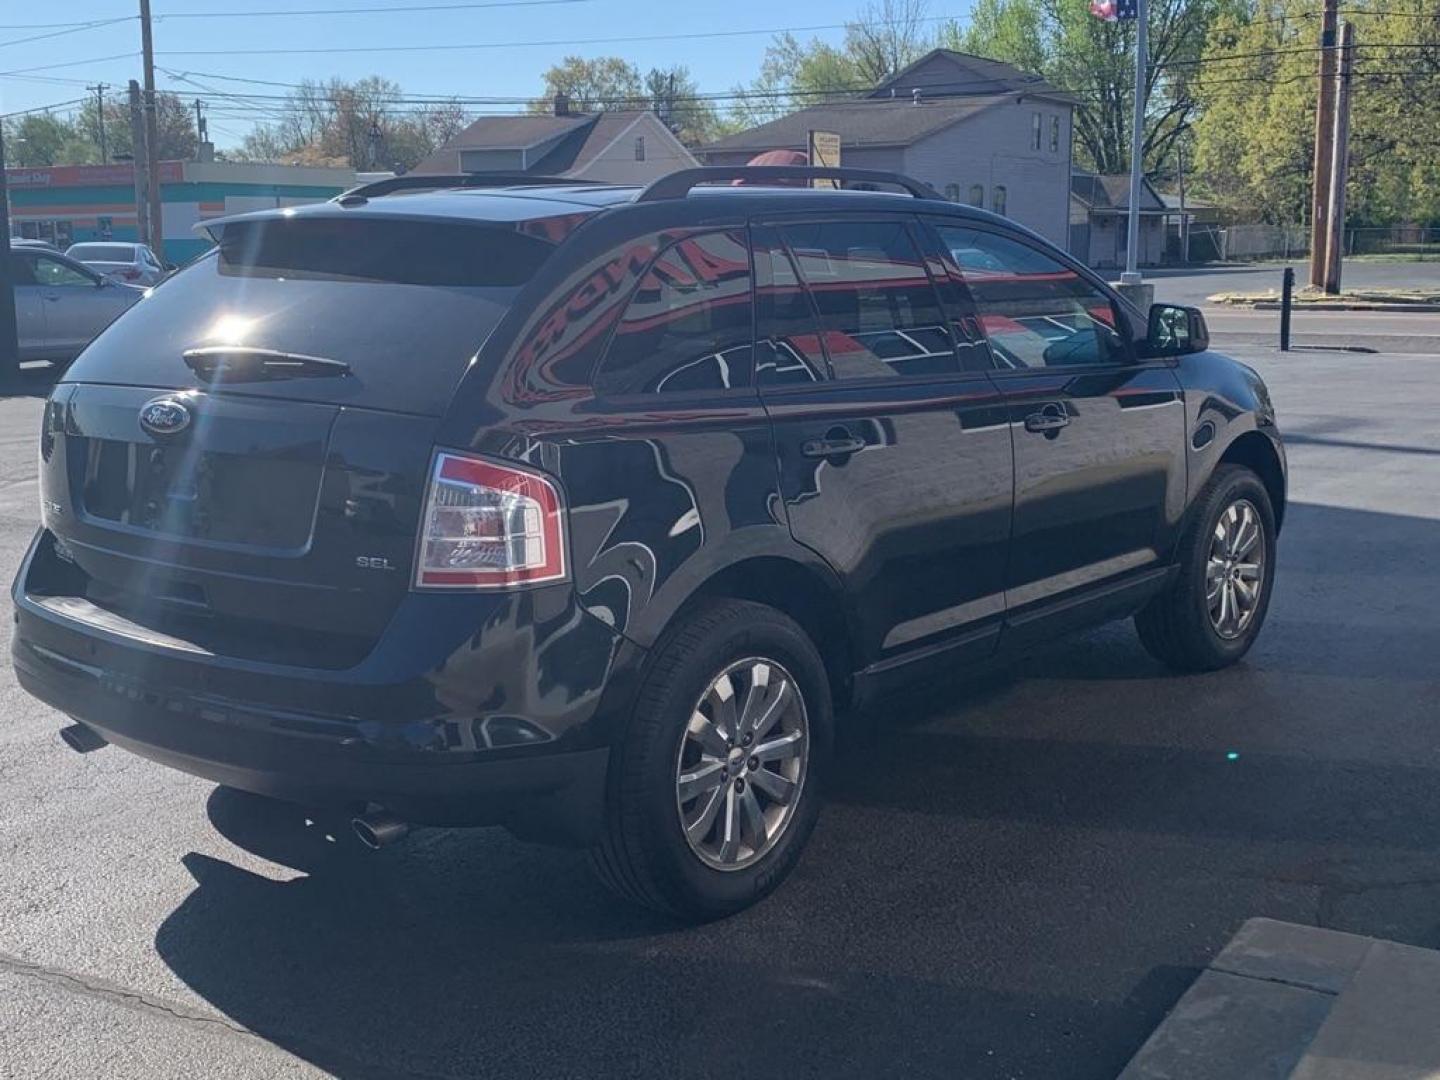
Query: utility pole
{"points": [[1184, 220], [156, 237], [1131, 276], [99, 89], [9, 328], [1339, 162], [141, 163], [1324, 139]]}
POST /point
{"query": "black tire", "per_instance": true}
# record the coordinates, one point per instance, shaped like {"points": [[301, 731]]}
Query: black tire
{"points": [[1176, 627], [644, 855]]}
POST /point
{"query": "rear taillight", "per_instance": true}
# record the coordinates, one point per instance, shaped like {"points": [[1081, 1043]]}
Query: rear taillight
{"points": [[489, 526]]}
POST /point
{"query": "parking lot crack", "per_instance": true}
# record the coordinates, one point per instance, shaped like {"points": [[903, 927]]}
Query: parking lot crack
{"points": [[99, 988]]}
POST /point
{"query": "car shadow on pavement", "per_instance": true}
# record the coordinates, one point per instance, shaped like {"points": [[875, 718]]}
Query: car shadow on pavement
{"points": [[1017, 875]]}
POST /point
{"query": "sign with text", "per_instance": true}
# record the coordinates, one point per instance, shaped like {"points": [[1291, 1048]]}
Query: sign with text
{"points": [[824, 152]]}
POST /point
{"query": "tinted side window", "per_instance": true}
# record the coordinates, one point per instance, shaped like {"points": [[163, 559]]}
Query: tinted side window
{"points": [[55, 273], [21, 270], [878, 309], [688, 324], [1036, 311], [787, 338]]}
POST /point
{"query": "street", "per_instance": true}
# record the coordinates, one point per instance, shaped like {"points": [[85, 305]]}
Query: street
{"points": [[1017, 873]]}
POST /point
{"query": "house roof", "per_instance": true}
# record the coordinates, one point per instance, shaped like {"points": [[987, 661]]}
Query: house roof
{"points": [[948, 71], [576, 140], [861, 122], [1112, 192]]}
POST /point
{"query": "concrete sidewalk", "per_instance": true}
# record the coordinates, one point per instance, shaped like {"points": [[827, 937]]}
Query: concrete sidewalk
{"points": [[1284, 1000]]}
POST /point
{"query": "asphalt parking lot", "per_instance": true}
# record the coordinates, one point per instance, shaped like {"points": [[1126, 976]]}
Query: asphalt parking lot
{"points": [[1018, 873]]}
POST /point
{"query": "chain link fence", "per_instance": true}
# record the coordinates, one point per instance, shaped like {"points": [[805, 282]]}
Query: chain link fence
{"points": [[1238, 243]]}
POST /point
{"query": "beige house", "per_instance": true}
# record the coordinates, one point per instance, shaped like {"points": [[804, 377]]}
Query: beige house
{"points": [[622, 147], [977, 130]]}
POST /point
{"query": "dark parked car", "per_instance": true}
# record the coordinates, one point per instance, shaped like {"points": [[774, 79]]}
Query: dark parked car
{"points": [[592, 511]]}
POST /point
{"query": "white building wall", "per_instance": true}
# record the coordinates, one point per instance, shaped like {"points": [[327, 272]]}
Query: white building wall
{"points": [[617, 164], [995, 148]]}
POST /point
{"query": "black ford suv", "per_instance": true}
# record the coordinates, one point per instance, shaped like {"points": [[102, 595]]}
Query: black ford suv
{"points": [[586, 510]]}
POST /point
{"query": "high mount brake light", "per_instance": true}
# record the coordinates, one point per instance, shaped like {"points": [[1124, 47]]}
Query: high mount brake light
{"points": [[489, 526]]}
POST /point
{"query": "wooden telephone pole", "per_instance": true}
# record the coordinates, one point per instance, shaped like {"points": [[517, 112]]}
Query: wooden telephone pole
{"points": [[156, 239], [1339, 162], [1324, 143]]}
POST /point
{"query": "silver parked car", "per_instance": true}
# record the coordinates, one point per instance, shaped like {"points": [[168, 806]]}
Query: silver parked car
{"points": [[61, 304], [134, 264]]}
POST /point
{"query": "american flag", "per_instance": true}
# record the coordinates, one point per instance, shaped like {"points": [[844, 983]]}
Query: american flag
{"points": [[1111, 10]]}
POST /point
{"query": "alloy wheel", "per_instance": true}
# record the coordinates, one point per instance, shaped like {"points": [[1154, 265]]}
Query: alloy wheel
{"points": [[1235, 569], [742, 763]]}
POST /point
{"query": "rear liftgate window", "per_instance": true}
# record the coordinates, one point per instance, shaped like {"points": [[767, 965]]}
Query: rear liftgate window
{"points": [[404, 304]]}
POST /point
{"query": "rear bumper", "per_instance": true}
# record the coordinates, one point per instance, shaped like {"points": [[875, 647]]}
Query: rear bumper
{"points": [[434, 726]]}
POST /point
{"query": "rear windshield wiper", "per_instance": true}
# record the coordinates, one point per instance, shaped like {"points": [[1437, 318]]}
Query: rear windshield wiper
{"points": [[245, 363]]}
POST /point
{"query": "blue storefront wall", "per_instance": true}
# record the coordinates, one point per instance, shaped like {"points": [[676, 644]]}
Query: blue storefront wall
{"points": [[74, 214]]}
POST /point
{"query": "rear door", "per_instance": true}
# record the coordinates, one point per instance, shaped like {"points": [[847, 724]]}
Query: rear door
{"points": [[1099, 437], [895, 463]]}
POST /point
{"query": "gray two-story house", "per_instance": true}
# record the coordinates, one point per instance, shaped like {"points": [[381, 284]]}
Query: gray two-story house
{"points": [[979, 131]]}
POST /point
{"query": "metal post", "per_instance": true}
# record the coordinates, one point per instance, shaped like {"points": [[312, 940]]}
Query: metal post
{"points": [[141, 164], [1287, 290], [9, 328], [1339, 164], [156, 238], [99, 89], [1324, 133], [1131, 276]]}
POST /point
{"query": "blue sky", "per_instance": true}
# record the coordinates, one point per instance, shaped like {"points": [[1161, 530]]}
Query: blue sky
{"points": [[205, 48]]}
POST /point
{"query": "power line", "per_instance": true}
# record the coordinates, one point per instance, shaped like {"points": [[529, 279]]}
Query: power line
{"points": [[43, 108], [70, 64], [360, 10], [346, 49], [72, 30]]}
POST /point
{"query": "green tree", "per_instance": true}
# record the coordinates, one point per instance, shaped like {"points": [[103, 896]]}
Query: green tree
{"points": [[676, 99], [45, 139], [881, 41], [1095, 61], [1254, 144], [606, 82], [366, 124]]}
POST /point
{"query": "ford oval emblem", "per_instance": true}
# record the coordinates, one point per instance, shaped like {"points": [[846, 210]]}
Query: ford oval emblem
{"points": [[165, 416]]}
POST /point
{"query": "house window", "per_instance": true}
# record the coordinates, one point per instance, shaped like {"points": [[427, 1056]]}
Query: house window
{"points": [[977, 195], [952, 192], [998, 204], [640, 148], [1054, 134], [1035, 124]]}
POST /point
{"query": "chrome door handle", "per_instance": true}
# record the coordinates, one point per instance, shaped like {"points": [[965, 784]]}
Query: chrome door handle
{"points": [[1049, 419], [833, 445]]}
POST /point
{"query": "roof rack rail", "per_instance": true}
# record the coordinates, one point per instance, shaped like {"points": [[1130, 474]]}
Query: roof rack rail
{"points": [[431, 182], [677, 185]]}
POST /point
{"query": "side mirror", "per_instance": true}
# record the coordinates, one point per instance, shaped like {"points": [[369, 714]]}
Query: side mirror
{"points": [[1175, 330]]}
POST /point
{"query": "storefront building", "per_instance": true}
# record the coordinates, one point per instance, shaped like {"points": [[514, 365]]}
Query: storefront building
{"points": [[67, 204]]}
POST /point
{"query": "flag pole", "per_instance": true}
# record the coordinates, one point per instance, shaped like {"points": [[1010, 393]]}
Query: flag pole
{"points": [[1131, 276]]}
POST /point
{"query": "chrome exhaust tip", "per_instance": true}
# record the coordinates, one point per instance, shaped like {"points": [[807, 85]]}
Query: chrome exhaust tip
{"points": [[83, 739], [379, 828]]}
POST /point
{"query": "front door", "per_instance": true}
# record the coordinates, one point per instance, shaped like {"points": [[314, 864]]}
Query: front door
{"points": [[895, 464], [1099, 438], [74, 310], [29, 311]]}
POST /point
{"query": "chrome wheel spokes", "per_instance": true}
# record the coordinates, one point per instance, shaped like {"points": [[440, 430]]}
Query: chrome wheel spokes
{"points": [[742, 763], [1235, 569]]}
